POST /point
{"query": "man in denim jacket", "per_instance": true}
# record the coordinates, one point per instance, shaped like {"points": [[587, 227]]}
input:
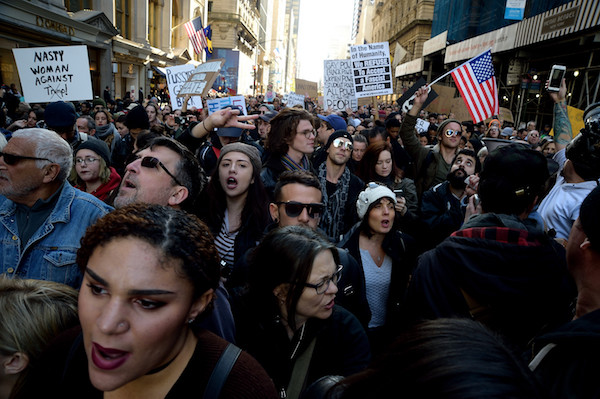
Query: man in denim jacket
{"points": [[42, 217]]}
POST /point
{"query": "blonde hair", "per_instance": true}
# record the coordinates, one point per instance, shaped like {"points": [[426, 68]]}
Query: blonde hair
{"points": [[32, 312]]}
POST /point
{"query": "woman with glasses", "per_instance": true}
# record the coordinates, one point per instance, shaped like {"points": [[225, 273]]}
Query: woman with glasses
{"points": [[387, 258], [289, 321], [234, 204], [92, 172]]}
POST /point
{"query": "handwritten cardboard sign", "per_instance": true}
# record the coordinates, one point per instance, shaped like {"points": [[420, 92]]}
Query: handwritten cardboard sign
{"points": [[176, 78], [371, 68], [294, 99], [201, 79], [60, 73], [219, 103], [338, 85], [306, 88]]}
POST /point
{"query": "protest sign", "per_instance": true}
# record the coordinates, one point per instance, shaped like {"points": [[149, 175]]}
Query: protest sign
{"points": [[460, 110], [219, 103], [443, 103], [60, 73], [306, 88], [176, 77], [421, 125], [294, 99], [406, 101], [371, 69], [338, 85], [506, 115], [201, 79]]}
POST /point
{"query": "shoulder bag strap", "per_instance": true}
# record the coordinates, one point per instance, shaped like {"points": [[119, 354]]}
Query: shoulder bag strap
{"points": [[221, 371], [298, 379]]}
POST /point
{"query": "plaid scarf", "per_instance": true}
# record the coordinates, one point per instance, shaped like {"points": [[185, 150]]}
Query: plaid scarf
{"points": [[332, 220]]}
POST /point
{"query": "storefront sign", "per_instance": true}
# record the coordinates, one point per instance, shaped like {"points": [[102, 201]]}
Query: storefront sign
{"points": [[371, 69], [56, 26], [50, 74], [515, 10], [338, 87], [562, 20]]}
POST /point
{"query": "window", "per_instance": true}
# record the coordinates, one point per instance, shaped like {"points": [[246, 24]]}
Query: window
{"points": [[122, 14], [153, 23], [78, 5]]}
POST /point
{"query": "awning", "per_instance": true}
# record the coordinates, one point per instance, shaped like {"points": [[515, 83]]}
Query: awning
{"points": [[502, 39], [569, 18], [414, 66], [160, 70], [436, 43]]}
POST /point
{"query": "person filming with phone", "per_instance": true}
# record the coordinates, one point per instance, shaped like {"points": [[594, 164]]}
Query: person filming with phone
{"points": [[578, 159]]}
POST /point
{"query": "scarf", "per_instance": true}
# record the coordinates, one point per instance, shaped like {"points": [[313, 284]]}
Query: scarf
{"points": [[289, 164], [332, 219]]}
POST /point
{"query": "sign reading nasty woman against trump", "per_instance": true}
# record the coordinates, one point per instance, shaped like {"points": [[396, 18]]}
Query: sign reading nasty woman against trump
{"points": [[371, 69], [60, 73]]}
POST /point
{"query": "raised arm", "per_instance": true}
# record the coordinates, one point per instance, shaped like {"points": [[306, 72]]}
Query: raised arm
{"points": [[563, 132]]}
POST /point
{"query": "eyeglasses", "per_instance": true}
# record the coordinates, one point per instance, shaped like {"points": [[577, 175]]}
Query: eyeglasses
{"points": [[337, 143], [450, 133], [293, 209], [86, 160], [323, 286], [307, 133], [12, 159], [151, 162]]}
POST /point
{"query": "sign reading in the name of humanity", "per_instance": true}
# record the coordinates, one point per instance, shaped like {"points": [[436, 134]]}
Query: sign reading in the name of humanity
{"points": [[176, 77], [60, 73], [338, 85], [220, 103], [201, 79], [371, 69], [294, 99]]}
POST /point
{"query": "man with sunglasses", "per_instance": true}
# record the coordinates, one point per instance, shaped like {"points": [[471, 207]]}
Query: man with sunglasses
{"points": [[431, 165], [298, 202], [42, 217], [339, 186]]}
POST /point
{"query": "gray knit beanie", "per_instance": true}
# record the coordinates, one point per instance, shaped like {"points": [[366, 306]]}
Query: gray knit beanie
{"points": [[250, 151]]}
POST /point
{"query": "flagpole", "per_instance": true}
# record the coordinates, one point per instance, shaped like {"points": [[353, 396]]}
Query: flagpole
{"points": [[449, 72]]}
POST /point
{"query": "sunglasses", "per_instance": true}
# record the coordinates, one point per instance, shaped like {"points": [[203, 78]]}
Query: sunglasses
{"points": [[450, 133], [151, 163], [12, 159], [293, 209], [337, 143]]}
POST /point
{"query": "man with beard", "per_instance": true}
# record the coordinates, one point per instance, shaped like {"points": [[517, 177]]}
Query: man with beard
{"points": [[500, 268], [443, 206], [339, 186]]}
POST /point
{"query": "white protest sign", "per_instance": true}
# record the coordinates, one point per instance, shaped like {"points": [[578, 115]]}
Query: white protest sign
{"points": [[294, 99], [176, 77], [60, 73], [218, 103], [372, 72], [421, 125], [201, 79], [338, 86]]}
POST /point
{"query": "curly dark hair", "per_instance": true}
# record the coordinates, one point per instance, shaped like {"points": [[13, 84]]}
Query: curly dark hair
{"points": [[283, 129], [177, 234]]}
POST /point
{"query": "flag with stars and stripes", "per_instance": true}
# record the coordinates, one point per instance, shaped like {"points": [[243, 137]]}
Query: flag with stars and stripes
{"points": [[476, 82], [196, 34]]}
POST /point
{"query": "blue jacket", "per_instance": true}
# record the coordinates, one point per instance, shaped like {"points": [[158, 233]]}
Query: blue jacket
{"points": [[51, 251]]}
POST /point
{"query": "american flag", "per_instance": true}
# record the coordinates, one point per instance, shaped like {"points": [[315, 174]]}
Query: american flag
{"points": [[477, 85], [196, 34]]}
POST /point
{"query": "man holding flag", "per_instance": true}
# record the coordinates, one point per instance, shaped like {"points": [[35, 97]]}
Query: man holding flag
{"points": [[477, 84]]}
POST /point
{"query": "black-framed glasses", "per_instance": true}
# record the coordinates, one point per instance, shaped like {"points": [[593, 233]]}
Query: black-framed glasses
{"points": [[152, 162], [293, 208], [337, 143], [323, 286], [12, 159], [450, 132]]}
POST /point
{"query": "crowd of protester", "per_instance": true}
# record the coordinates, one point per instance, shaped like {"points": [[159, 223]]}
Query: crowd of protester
{"points": [[347, 253]]}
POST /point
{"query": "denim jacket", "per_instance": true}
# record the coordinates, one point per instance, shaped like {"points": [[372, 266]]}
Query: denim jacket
{"points": [[51, 251]]}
